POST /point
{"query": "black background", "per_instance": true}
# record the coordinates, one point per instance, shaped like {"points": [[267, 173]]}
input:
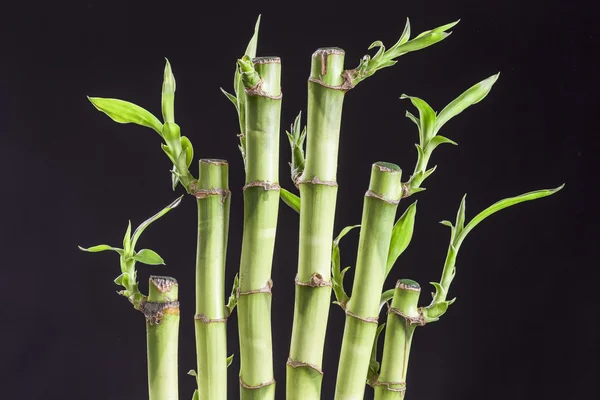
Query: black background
{"points": [[524, 325]]}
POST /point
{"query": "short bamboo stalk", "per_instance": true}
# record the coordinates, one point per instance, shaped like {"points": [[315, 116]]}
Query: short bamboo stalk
{"points": [[161, 310], [362, 310], [261, 203], [318, 192], [403, 318], [213, 201]]}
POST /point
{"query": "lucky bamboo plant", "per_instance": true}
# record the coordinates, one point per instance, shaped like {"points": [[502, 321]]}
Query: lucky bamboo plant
{"points": [[257, 97]]}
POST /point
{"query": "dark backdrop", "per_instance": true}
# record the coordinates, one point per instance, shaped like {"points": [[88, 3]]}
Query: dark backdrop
{"points": [[524, 325]]}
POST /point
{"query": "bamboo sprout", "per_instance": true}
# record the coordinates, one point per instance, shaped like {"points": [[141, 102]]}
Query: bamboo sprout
{"points": [[403, 317], [162, 329], [213, 200], [362, 310], [261, 78]]}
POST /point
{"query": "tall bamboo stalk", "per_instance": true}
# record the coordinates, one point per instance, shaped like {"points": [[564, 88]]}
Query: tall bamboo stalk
{"points": [[161, 310], [213, 200], [318, 191], [362, 310], [403, 318], [261, 78]]}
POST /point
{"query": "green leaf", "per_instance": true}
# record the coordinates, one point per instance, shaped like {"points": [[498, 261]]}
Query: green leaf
{"points": [[230, 360], [290, 199], [149, 257], [168, 94], [401, 236], [146, 223], [502, 204], [125, 112], [124, 280], [99, 248], [383, 59], [232, 301], [426, 117], [127, 247], [253, 44], [231, 98], [472, 96], [385, 297], [196, 395], [192, 372], [437, 140], [460, 215], [172, 136], [187, 147], [373, 363], [337, 276]]}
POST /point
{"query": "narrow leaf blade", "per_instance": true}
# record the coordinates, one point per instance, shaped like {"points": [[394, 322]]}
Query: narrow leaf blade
{"points": [[125, 112], [290, 199], [146, 223], [149, 257], [401, 235]]}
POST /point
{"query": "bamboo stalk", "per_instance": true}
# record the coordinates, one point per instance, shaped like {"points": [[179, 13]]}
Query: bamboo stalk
{"points": [[318, 191], [162, 328], [261, 78], [403, 318], [362, 310], [213, 200]]}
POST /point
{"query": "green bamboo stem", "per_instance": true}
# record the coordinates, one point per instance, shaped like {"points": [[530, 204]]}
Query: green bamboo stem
{"points": [[362, 310], [162, 329], [318, 192], [213, 200], [403, 318], [261, 203]]}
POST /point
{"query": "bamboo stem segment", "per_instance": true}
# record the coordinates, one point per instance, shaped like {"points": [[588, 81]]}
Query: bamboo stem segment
{"points": [[261, 79], [213, 201], [318, 192], [362, 310], [403, 318], [162, 329]]}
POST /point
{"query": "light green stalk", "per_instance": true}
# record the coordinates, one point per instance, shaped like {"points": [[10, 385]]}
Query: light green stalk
{"points": [[213, 198], [261, 78], [318, 191], [403, 318], [162, 329], [362, 310]]}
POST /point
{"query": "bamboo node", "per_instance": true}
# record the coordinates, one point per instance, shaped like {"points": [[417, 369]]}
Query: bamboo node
{"points": [[388, 386], [316, 181], [205, 193], [344, 87], [371, 320], [316, 280], [298, 364], [264, 289], [154, 312], [206, 320], [262, 385], [257, 90], [371, 193], [418, 320], [263, 184]]}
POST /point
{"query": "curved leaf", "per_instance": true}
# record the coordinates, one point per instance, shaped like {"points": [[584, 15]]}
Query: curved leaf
{"points": [[401, 235], [427, 118], [290, 199], [125, 112], [148, 257], [471, 96], [502, 204], [146, 223], [99, 248]]}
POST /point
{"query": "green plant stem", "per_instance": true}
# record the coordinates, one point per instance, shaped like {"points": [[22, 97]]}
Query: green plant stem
{"points": [[162, 329], [261, 204], [362, 310], [403, 318], [318, 191], [213, 200]]}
